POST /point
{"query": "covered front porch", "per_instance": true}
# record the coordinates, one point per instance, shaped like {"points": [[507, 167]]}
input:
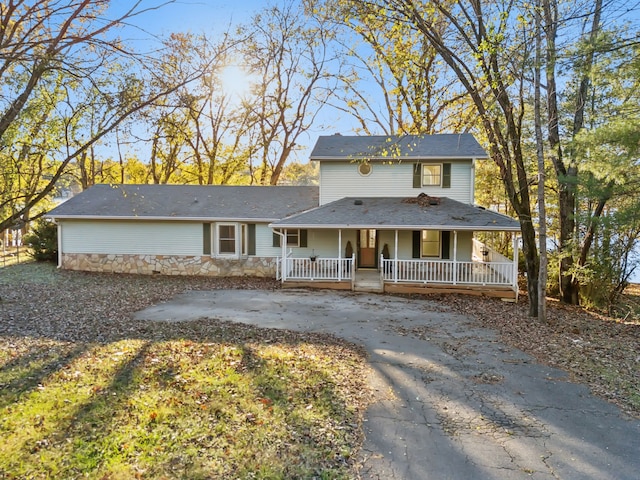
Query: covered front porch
{"points": [[487, 272], [435, 249]]}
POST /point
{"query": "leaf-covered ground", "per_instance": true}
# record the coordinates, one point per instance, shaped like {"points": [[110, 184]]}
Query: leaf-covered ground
{"points": [[87, 392], [598, 351]]}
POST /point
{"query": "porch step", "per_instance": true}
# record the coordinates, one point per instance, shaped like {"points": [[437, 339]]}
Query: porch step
{"points": [[368, 281]]}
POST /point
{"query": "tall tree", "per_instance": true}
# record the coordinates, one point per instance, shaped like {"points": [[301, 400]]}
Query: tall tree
{"points": [[476, 41], [287, 53], [52, 52], [393, 81], [542, 210], [197, 131], [566, 162], [608, 189]]}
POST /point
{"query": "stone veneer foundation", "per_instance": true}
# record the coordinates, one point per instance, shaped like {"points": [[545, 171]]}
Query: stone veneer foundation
{"points": [[171, 265]]}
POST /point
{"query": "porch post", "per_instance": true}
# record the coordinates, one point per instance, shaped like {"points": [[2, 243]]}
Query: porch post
{"points": [[339, 254], [283, 261], [514, 280], [395, 256], [60, 252], [283, 242], [455, 257]]}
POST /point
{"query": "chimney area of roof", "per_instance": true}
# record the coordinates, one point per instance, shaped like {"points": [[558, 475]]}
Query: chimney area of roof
{"points": [[423, 200], [357, 202]]}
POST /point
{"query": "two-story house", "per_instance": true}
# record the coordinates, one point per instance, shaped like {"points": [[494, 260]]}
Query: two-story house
{"points": [[390, 214]]}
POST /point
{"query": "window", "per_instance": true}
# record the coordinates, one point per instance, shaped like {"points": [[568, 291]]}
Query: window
{"points": [[226, 239], [364, 169], [430, 243], [431, 175], [293, 238]]}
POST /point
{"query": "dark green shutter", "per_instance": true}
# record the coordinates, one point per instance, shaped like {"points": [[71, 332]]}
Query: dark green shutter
{"points": [[276, 239], [446, 175], [417, 175], [417, 241], [446, 242], [303, 238], [252, 238], [206, 239]]}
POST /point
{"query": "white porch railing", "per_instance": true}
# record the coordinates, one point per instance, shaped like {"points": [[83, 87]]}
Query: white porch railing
{"points": [[330, 269], [448, 272]]}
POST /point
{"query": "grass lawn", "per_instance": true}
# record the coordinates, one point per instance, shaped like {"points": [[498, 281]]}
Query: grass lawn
{"points": [[86, 392]]}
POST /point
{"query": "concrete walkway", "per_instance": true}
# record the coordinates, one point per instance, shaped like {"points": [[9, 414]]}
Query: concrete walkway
{"points": [[453, 402]]}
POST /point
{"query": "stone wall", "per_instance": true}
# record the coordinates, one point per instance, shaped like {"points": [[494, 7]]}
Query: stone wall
{"points": [[171, 265]]}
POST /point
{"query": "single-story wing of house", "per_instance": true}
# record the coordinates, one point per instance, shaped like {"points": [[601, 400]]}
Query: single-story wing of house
{"points": [[390, 214]]}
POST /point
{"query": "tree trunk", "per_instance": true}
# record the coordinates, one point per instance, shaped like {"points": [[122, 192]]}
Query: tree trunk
{"points": [[567, 174], [542, 228]]}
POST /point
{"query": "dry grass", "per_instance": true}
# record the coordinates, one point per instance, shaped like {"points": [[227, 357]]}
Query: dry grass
{"points": [[85, 391]]}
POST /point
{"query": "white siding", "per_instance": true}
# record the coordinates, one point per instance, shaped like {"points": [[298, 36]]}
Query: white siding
{"points": [[465, 246], [324, 243], [264, 242], [186, 238], [132, 237], [341, 179]]}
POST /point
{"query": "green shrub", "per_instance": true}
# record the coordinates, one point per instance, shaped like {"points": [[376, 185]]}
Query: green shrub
{"points": [[43, 241]]}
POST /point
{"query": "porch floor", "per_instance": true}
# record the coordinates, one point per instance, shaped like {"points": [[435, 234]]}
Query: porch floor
{"points": [[505, 293]]}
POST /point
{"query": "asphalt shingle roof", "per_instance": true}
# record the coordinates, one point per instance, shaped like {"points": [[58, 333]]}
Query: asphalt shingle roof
{"points": [[388, 147], [399, 213], [184, 202]]}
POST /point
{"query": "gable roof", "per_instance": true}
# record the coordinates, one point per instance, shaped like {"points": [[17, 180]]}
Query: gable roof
{"points": [[187, 202], [394, 147], [399, 213]]}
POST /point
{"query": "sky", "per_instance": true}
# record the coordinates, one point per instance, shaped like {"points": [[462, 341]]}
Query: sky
{"points": [[214, 17]]}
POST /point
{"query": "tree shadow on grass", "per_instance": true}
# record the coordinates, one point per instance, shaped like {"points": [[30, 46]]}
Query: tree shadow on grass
{"points": [[277, 420], [24, 373], [90, 439]]}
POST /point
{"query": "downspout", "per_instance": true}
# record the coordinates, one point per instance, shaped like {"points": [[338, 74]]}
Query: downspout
{"points": [[59, 245], [283, 246], [472, 191]]}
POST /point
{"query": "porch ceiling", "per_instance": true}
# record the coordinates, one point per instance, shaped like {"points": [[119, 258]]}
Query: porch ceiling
{"points": [[399, 213]]}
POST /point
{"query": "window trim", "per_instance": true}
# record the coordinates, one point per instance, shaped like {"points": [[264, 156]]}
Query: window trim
{"points": [[294, 233], [365, 164], [219, 238], [303, 241], [423, 165], [439, 243]]}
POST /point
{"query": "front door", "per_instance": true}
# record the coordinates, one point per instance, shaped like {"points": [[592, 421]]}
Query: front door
{"points": [[367, 249]]}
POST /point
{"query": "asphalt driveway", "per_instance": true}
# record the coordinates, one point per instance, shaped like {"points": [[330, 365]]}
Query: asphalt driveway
{"points": [[452, 401]]}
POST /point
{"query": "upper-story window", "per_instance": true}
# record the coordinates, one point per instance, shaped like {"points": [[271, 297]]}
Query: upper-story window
{"points": [[431, 175], [364, 169]]}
